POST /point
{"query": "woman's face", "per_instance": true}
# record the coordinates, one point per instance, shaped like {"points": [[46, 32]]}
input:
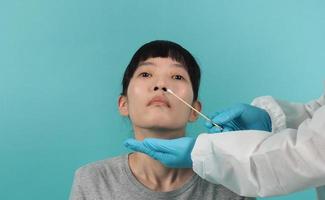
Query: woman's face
{"points": [[148, 106]]}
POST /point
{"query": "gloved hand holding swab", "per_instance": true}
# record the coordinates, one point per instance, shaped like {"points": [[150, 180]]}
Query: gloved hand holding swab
{"points": [[204, 116]]}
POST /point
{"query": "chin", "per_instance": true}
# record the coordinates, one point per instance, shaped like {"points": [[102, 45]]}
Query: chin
{"points": [[164, 126], [160, 125], [163, 122]]}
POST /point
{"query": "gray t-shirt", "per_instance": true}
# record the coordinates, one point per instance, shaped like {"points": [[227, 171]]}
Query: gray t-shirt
{"points": [[113, 179]]}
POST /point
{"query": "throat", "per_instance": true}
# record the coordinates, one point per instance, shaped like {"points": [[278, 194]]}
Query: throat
{"points": [[155, 176], [141, 133]]}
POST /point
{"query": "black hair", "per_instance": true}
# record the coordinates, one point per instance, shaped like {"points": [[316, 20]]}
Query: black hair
{"points": [[164, 49]]}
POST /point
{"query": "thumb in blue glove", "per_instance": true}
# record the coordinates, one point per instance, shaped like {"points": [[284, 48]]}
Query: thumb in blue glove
{"points": [[241, 117], [173, 153]]}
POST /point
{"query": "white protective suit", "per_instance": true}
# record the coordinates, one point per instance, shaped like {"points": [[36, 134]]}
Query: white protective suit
{"points": [[260, 164]]}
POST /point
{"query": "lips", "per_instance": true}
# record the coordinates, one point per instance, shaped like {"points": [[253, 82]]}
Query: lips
{"points": [[159, 100]]}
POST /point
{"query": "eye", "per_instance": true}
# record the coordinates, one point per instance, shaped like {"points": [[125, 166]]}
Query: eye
{"points": [[145, 74], [178, 77]]}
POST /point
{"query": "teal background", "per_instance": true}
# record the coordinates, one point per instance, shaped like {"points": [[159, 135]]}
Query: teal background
{"points": [[61, 64]]}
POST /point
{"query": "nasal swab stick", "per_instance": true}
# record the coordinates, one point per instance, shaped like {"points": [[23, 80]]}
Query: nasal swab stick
{"points": [[205, 117]]}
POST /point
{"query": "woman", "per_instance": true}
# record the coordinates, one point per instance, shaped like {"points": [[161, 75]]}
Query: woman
{"points": [[154, 114]]}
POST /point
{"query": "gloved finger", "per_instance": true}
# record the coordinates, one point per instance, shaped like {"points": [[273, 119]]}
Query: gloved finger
{"points": [[161, 148], [170, 146], [155, 144], [164, 158], [228, 115], [220, 111], [227, 129], [208, 124], [235, 125], [162, 145], [138, 146], [215, 129], [215, 113]]}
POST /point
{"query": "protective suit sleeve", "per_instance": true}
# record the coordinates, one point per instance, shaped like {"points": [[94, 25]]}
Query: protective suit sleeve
{"points": [[260, 164], [285, 114]]}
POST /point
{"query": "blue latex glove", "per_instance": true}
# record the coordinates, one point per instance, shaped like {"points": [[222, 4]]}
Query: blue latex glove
{"points": [[173, 153], [240, 117]]}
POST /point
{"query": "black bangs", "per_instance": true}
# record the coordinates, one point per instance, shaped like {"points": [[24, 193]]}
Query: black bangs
{"points": [[163, 49]]}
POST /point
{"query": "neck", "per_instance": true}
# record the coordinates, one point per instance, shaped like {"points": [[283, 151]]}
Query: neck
{"points": [[152, 173], [162, 133]]}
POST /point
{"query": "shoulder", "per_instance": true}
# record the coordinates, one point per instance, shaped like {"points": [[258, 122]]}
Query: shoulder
{"points": [[101, 168]]}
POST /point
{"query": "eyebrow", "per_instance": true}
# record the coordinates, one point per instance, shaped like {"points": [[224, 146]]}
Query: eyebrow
{"points": [[146, 64], [151, 63]]}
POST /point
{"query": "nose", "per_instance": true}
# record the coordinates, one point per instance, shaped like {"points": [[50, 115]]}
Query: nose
{"points": [[162, 88], [160, 83]]}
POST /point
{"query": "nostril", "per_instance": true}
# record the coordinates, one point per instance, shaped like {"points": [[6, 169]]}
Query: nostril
{"points": [[155, 88], [164, 89]]}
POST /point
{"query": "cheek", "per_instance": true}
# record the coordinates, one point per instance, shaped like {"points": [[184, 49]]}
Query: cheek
{"points": [[136, 98], [134, 89], [185, 93], [136, 93]]}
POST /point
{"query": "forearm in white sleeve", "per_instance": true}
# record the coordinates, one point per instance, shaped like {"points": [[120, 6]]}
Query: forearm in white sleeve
{"points": [[286, 114], [257, 163]]}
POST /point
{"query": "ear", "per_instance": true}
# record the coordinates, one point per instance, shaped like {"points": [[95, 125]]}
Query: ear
{"points": [[193, 115], [123, 105]]}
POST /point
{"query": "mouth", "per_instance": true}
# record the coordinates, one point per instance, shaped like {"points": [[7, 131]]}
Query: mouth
{"points": [[159, 101]]}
